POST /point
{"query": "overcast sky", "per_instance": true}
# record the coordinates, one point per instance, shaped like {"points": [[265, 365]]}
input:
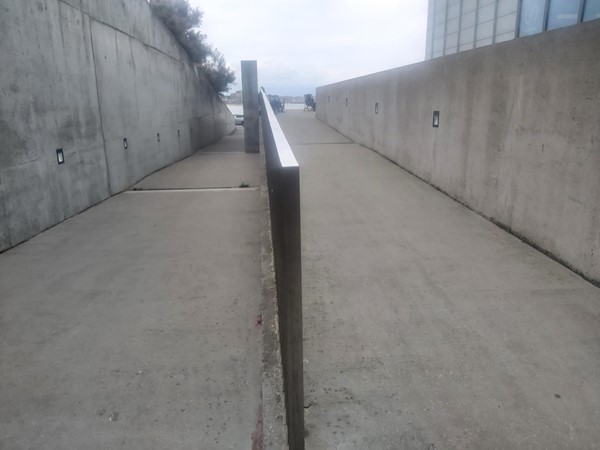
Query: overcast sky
{"points": [[302, 44]]}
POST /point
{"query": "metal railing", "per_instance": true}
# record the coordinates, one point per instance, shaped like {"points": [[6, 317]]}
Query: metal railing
{"points": [[283, 179]]}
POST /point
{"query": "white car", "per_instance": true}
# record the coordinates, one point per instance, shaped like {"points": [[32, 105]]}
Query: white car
{"points": [[239, 119]]}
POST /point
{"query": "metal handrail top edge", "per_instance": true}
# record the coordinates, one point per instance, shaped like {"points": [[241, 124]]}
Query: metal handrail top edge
{"points": [[286, 156]]}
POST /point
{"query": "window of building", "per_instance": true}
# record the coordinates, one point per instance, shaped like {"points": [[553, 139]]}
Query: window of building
{"points": [[438, 33], [486, 12], [438, 46], [506, 24], [468, 19], [485, 23], [485, 31], [453, 9], [428, 43], [507, 7], [506, 20], [592, 10], [532, 17], [469, 5], [467, 38], [467, 25], [562, 13]]}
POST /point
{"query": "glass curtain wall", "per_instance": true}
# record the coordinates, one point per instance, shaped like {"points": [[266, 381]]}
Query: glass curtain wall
{"points": [[459, 25], [542, 15], [591, 10]]}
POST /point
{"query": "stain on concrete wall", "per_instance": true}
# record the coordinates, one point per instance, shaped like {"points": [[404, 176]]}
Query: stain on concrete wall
{"points": [[518, 139], [82, 76]]}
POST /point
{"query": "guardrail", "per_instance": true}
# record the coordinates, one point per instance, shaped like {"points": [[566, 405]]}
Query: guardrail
{"points": [[283, 179]]}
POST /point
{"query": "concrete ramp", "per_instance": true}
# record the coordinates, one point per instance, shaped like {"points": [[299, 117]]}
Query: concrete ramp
{"points": [[222, 165], [136, 324], [428, 327]]}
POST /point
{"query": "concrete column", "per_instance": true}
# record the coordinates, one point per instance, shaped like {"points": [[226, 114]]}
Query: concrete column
{"points": [[250, 95]]}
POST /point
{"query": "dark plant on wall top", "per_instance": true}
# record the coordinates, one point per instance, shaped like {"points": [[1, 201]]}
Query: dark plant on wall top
{"points": [[183, 21], [219, 75]]}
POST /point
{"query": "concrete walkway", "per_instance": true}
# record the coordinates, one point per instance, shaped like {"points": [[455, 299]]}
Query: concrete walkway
{"points": [[134, 324], [426, 326]]}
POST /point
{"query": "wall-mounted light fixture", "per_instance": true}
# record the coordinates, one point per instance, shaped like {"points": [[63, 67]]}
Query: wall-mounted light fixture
{"points": [[125, 143], [158, 137], [436, 119], [60, 156], [178, 135], [376, 108]]}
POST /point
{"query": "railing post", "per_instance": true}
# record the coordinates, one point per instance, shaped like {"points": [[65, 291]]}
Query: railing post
{"points": [[250, 101]]}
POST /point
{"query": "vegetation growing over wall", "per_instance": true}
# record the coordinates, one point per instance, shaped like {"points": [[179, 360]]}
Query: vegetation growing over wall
{"points": [[183, 21]]}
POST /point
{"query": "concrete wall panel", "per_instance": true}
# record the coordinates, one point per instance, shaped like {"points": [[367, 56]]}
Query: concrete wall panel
{"points": [[518, 139], [135, 18], [48, 101], [82, 75]]}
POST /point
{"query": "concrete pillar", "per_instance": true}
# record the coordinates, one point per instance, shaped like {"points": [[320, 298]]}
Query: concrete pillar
{"points": [[250, 95]]}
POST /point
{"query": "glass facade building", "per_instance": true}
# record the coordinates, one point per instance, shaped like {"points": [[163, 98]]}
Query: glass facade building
{"points": [[458, 25]]}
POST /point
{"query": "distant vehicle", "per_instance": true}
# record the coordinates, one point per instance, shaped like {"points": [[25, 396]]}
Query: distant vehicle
{"points": [[239, 119], [309, 103], [276, 103]]}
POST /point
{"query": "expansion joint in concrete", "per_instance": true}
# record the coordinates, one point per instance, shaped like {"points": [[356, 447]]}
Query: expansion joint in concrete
{"points": [[324, 143], [121, 31], [214, 189], [10, 242], [108, 186]]}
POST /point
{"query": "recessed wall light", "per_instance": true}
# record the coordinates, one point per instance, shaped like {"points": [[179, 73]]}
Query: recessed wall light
{"points": [[125, 143], [376, 108], [436, 119], [60, 156], [158, 137]]}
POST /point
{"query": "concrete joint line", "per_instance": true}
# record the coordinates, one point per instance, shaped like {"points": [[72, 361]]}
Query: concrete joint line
{"points": [[208, 152], [4, 216], [108, 186], [322, 143], [133, 37], [135, 191], [87, 13]]}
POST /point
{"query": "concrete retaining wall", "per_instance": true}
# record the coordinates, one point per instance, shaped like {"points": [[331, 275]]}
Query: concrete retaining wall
{"points": [[83, 75], [518, 140]]}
